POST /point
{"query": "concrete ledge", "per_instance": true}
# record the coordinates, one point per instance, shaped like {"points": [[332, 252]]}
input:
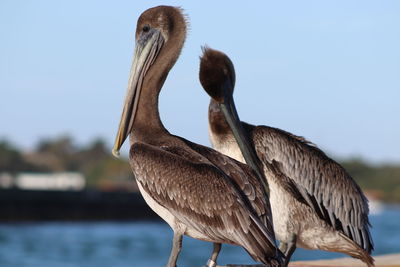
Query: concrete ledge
{"points": [[390, 260]]}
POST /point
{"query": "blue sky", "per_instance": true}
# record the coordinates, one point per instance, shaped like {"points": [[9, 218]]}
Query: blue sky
{"points": [[326, 70]]}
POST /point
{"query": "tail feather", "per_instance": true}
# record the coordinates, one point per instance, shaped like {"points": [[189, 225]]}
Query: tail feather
{"points": [[354, 250]]}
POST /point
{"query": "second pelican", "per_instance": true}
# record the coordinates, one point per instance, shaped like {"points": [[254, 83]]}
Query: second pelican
{"points": [[315, 203]]}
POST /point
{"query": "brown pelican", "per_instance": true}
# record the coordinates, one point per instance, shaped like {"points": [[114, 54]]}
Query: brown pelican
{"points": [[198, 191], [315, 203]]}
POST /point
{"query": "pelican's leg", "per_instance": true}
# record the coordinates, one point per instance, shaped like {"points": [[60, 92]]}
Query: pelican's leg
{"points": [[176, 249], [212, 261], [291, 247]]}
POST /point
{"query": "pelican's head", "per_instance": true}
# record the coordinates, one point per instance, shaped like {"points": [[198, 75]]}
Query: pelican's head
{"points": [[160, 34], [217, 74]]}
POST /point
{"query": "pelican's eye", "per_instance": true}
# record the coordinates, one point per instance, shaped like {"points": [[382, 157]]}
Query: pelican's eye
{"points": [[146, 28]]}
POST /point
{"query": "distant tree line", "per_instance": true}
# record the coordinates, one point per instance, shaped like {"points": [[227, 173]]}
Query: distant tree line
{"points": [[102, 170], [381, 181], [94, 160]]}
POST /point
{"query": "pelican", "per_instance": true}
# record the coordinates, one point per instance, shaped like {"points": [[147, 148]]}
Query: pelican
{"points": [[198, 191], [315, 203]]}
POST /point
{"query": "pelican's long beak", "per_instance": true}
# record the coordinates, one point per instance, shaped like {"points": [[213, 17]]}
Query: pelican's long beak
{"points": [[148, 45], [245, 144], [229, 110]]}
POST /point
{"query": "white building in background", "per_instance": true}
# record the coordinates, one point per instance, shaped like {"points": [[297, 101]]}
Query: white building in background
{"points": [[6, 180], [63, 181]]}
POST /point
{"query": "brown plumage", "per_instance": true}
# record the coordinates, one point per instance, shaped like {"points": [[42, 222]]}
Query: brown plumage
{"points": [[311, 195], [196, 190]]}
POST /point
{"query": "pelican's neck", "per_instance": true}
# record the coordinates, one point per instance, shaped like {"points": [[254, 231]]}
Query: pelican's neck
{"points": [[147, 126], [217, 122]]}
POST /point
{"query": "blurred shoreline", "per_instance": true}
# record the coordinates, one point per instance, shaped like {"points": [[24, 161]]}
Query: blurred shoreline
{"points": [[59, 163], [85, 205], [18, 205]]}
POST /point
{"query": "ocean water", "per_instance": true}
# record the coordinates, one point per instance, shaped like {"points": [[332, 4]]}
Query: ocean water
{"points": [[144, 244]]}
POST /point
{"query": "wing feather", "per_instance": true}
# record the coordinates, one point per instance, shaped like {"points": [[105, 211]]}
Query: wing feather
{"points": [[322, 182], [200, 195]]}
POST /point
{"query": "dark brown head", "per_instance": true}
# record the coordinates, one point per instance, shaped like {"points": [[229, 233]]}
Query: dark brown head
{"points": [[160, 34], [217, 74], [170, 23]]}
